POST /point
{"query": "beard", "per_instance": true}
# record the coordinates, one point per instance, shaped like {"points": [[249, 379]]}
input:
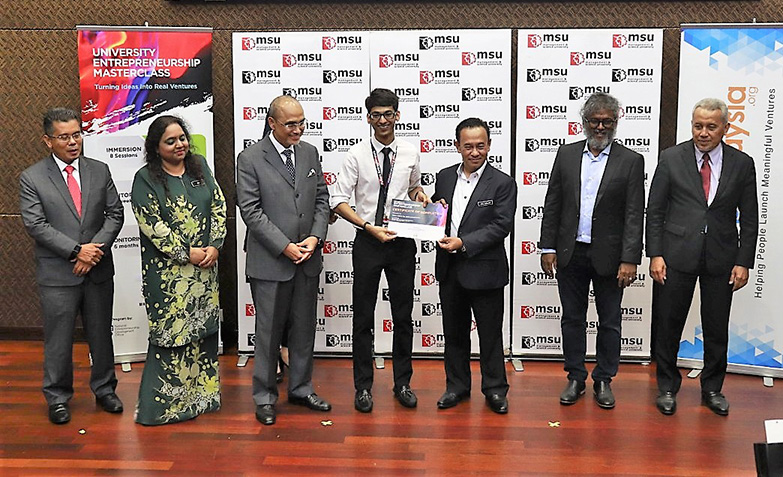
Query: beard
{"points": [[597, 142]]}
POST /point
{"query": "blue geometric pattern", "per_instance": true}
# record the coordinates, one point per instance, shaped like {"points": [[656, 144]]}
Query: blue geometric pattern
{"points": [[755, 50], [746, 346]]}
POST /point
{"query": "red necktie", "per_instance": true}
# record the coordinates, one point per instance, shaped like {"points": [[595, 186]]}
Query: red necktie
{"points": [[705, 176], [73, 188]]}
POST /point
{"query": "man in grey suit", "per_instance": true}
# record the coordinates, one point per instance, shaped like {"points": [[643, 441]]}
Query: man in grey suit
{"points": [[284, 202], [71, 208], [698, 188]]}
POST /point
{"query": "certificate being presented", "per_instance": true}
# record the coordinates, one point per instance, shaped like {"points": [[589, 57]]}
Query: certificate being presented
{"points": [[409, 219]]}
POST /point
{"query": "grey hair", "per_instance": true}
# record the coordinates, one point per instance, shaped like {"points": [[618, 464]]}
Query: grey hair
{"points": [[713, 104], [62, 115], [600, 102]]}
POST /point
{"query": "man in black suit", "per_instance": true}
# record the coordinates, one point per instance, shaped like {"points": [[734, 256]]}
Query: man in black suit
{"points": [[70, 207], [698, 187], [592, 232], [472, 267]]}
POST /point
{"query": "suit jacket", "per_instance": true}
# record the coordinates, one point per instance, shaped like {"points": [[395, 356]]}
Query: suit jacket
{"points": [[277, 212], [618, 214], [680, 224], [488, 219], [50, 217]]}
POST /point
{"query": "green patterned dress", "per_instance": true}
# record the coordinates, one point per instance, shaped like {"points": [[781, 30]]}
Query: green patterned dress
{"points": [[180, 378]]}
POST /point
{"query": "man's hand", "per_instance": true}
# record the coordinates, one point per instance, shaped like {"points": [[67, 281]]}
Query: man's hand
{"points": [[626, 274], [293, 252], [739, 277], [382, 234], [422, 197], [90, 254], [307, 247], [210, 259], [197, 255], [658, 269], [549, 264], [450, 244], [80, 268]]}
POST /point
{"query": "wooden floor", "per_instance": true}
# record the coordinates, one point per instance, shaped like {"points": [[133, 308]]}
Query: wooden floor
{"points": [[538, 437]]}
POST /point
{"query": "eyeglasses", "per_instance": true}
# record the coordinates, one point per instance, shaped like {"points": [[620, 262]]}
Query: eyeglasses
{"points": [[389, 115], [607, 122], [294, 124], [67, 137]]}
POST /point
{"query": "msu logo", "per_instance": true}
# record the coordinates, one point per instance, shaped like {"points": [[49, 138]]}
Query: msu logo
{"points": [[575, 92], [574, 128], [288, 60], [532, 145], [330, 178], [332, 340], [527, 311], [529, 212], [330, 311], [468, 94], [329, 76], [528, 278], [619, 40], [250, 309], [385, 61], [528, 342], [388, 326], [426, 77], [532, 112], [426, 111], [427, 340], [329, 247], [529, 178], [528, 247], [468, 58], [330, 145], [427, 145], [427, 246], [534, 41], [577, 58], [427, 279], [426, 42], [289, 92], [328, 42], [331, 277], [427, 309], [427, 178], [329, 113], [533, 75], [618, 75]]}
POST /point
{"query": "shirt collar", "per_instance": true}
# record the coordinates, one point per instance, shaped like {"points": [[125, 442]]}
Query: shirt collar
{"points": [[379, 146], [602, 154], [478, 172], [279, 147], [716, 154], [61, 165]]}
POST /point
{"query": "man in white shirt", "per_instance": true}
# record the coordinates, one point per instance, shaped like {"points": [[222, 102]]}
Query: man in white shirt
{"points": [[378, 171]]}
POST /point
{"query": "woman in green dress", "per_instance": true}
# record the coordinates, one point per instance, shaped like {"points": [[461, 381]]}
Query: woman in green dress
{"points": [[182, 222]]}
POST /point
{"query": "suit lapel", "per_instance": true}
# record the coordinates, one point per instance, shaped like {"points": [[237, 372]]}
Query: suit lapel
{"points": [[726, 171], [273, 158], [612, 165], [55, 175], [301, 167], [576, 187], [688, 158], [449, 183], [85, 174], [483, 183]]}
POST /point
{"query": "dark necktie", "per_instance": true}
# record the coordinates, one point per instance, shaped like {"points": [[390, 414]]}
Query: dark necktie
{"points": [[384, 187], [705, 176], [73, 188], [289, 164]]}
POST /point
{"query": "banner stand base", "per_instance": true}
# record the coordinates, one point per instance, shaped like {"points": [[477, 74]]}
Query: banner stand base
{"points": [[379, 364], [694, 373], [242, 360], [768, 381], [517, 364], [126, 367]]}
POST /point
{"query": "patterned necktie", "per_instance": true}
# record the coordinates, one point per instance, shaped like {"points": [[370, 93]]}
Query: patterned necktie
{"points": [[384, 192], [289, 164], [73, 188], [705, 171]]}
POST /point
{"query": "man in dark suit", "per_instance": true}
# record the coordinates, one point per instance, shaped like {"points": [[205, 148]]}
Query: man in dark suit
{"points": [[71, 209], [698, 188], [284, 202], [592, 232], [472, 267]]}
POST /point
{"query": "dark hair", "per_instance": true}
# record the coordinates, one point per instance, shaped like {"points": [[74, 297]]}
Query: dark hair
{"points": [[382, 97], [472, 123], [63, 115], [154, 162], [600, 102]]}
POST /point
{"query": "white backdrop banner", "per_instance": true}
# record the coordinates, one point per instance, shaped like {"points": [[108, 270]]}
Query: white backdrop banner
{"points": [[440, 76], [558, 71], [743, 66], [128, 77]]}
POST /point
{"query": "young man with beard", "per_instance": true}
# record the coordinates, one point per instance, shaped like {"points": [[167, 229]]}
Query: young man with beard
{"points": [[378, 170], [592, 232]]}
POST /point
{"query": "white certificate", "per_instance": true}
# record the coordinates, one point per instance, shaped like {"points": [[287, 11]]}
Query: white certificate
{"points": [[409, 219]]}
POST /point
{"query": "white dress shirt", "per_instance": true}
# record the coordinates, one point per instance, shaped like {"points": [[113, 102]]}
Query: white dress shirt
{"points": [[279, 147], [359, 175], [62, 165], [462, 191]]}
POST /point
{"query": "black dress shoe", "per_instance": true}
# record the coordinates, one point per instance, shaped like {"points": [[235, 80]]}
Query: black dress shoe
{"points": [[497, 403], [311, 401], [405, 395], [450, 399], [572, 391], [59, 413], [666, 402], [603, 394], [110, 403], [265, 414], [363, 401], [716, 402]]}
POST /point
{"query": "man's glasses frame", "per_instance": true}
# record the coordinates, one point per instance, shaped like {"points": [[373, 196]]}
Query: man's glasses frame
{"points": [[606, 122], [67, 137]]}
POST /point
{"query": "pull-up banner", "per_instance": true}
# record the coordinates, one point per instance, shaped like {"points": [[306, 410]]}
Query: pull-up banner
{"points": [[128, 77], [743, 66]]}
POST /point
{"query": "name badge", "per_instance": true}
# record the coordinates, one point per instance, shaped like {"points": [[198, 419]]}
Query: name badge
{"points": [[484, 203], [198, 183]]}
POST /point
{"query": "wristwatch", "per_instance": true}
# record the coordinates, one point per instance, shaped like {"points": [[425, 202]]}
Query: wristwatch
{"points": [[75, 252]]}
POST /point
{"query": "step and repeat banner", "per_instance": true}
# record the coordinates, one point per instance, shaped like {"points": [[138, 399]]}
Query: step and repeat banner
{"points": [[743, 66], [440, 76], [557, 71], [128, 77]]}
